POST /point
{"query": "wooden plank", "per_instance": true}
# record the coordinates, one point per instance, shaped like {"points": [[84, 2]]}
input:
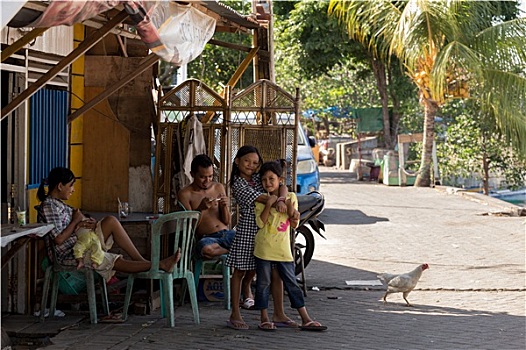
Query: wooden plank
{"points": [[106, 157], [66, 61], [404, 138], [149, 61]]}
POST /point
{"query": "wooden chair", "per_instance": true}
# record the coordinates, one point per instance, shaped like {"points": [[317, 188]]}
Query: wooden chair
{"points": [[183, 225], [52, 276]]}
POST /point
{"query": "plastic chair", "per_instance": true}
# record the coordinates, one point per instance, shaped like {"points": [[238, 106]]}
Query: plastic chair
{"points": [[198, 267], [52, 275], [226, 276], [184, 224]]}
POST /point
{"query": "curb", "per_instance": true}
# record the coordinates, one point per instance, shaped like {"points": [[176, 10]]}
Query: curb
{"points": [[500, 207]]}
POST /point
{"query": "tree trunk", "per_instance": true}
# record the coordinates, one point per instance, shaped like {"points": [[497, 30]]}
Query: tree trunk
{"points": [[326, 125], [485, 166], [423, 178], [381, 83], [395, 118]]}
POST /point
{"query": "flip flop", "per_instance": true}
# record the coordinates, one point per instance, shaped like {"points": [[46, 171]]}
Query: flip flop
{"points": [[112, 318], [237, 325], [313, 326], [287, 324], [248, 304], [267, 326]]}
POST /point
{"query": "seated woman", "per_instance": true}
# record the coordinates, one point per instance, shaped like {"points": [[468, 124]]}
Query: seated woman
{"points": [[68, 221]]}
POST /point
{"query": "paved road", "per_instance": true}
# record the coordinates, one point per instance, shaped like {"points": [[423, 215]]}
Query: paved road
{"points": [[472, 297]]}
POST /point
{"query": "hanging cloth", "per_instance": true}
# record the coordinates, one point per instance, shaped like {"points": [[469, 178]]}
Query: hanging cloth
{"points": [[194, 144]]}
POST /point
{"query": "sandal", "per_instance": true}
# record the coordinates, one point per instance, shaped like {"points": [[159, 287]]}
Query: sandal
{"points": [[313, 326], [248, 304], [267, 326], [237, 325], [287, 324]]}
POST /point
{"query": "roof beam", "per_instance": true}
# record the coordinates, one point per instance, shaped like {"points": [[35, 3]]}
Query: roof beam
{"points": [[66, 61], [20, 43]]}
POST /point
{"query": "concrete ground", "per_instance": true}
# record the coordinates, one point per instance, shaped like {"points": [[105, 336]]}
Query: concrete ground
{"points": [[472, 297]]}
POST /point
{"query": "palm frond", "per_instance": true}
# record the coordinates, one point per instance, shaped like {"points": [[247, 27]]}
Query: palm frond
{"points": [[503, 96]]}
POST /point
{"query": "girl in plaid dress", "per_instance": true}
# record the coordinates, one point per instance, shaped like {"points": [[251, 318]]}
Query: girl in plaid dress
{"points": [[246, 189], [68, 221]]}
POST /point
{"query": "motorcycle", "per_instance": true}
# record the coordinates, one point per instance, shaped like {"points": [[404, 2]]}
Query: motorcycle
{"points": [[310, 207]]}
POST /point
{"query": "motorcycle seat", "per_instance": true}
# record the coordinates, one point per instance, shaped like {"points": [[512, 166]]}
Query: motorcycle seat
{"points": [[306, 203]]}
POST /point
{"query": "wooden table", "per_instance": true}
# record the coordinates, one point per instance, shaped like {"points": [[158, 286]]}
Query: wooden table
{"points": [[138, 226], [20, 235]]}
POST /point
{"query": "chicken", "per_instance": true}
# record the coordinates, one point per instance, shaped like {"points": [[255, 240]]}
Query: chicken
{"points": [[403, 283]]}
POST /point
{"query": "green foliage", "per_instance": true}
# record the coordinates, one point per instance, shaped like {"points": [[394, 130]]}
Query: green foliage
{"points": [[216, 65], [313, 40], [469, 135]]}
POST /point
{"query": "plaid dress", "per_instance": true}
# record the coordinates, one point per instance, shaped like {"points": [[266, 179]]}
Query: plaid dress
{"points": [[241, 254], [59, 214]]}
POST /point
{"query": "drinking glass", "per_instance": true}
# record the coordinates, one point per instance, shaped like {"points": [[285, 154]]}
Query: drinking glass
{"points": [[124, 210]]}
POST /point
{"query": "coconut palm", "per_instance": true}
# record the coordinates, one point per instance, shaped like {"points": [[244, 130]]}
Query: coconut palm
{"points": [[450, 49]]}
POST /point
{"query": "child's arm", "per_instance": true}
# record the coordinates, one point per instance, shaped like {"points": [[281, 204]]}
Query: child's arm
{"points": [[266, 212], [280, 205], [294, 219], [292, 210]]}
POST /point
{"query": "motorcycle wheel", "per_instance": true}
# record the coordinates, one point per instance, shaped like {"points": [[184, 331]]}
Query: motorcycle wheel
{"points": [[305, 243]]}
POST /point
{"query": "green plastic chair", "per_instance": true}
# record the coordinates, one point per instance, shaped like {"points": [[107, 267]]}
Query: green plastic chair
{"points": [[52, 276], [182, 226], [198, 267], [199, 262]]}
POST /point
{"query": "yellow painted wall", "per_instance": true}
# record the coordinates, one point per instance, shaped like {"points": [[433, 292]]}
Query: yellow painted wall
{"points": [[32, 201], [76, 147]]}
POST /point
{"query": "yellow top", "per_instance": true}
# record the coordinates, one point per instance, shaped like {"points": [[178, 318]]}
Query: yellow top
{"points": [[273, 238]]}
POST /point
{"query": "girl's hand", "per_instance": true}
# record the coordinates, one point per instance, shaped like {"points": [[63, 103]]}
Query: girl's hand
{"points": [[281, 207], [90, 224], [295, 219]]}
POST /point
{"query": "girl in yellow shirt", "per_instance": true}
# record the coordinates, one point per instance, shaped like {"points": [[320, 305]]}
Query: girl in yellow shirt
{"points": [[272, 248]]}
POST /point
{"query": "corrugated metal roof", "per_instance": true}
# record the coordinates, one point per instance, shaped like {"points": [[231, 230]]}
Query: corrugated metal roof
{"points": [[230, 14]]}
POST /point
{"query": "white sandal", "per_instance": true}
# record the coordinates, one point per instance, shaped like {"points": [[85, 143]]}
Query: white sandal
{"points": [[248, 304]]}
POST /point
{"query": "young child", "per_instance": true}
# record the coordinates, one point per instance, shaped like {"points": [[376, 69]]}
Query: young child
{"points": [[246, 189], [88, 248], [273, 248]]}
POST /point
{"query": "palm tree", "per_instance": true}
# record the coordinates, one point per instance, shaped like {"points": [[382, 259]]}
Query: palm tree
{"points": [[450, 49]]}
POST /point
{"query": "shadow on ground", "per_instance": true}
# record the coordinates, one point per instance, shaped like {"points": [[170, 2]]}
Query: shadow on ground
{"points": [[348, 217]]}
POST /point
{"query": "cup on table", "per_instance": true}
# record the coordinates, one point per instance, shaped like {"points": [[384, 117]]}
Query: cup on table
{"points": [[21, 217], [124, 210]]}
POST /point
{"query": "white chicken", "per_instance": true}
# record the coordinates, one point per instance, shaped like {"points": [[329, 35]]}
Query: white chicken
{"points": [[403, 283]]}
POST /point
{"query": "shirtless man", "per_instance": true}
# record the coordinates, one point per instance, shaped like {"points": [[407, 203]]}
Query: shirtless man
{"points": [[208, 197]]}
